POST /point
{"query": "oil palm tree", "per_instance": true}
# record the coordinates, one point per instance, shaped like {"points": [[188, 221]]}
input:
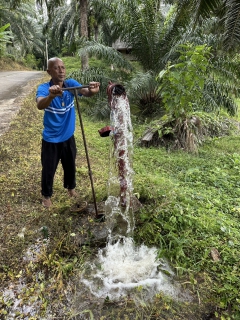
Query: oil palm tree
{"points": [[154, 39], [72, 22], [68, 17], [26, 32], [225, 11], [141, 28]]}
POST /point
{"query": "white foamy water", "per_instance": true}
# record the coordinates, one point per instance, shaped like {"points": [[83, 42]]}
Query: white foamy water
{"points": [[122, 268]]}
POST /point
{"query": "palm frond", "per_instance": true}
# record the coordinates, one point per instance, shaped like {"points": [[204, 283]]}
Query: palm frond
{"points": [[141, 82], [231, 38], [193, 10], [142, 92], [205, 8], [97, 106], [99, 110], [92, 74], [226, 12], [93, 48], [64, 26], [26, 33], [142, 32], [217, 96]]}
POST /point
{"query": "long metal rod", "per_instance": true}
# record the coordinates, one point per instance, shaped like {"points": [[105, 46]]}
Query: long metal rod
{"points": [[85, 146], [73, 88]]}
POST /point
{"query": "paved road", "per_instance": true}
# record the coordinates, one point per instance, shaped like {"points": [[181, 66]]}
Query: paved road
{"points": [[14, 85]]}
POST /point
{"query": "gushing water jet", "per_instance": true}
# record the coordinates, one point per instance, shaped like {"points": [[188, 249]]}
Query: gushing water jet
{"points": [[123, 266], [119, 205]]}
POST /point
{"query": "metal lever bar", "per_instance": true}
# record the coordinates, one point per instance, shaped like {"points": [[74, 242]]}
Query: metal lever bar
{"points": [[85, 144], [75, 88]]}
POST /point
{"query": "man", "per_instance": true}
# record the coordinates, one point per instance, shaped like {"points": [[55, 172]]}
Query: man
{"points": [[58, 142]]}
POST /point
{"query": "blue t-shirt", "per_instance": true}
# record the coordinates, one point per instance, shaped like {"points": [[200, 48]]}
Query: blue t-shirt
{"points": [[59, 116]]}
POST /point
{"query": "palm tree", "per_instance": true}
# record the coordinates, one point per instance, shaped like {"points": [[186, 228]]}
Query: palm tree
{"points": [[64, 25], [154, 39], [149, 35], [71, 18], [226, 11], [26, 32]]}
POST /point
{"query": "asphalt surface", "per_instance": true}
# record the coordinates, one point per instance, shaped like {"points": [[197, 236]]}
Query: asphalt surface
{"points": [[14, 85]]}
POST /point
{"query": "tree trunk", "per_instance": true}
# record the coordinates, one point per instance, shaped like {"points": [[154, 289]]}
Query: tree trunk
{"points": [[84, 28], [96, 32]]}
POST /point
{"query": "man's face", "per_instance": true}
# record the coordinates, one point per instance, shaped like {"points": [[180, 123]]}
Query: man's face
{"points": [[57, 70]]}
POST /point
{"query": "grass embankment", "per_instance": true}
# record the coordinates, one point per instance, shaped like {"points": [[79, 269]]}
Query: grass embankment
{"points": [[191, 211], [8, 64]]}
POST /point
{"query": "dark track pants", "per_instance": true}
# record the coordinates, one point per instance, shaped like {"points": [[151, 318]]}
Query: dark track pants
{"points": [[50, 156]]}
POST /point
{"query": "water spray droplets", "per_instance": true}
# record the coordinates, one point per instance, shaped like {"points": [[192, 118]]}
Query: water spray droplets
{"points": [[125, 268], [121, 268]]}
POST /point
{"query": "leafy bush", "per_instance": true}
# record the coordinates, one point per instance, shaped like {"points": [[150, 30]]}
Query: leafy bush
{"points": [[5, 36], [182, 83], [31, 61]]}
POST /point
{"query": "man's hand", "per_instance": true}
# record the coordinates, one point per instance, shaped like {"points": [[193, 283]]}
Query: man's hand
{"points": [[44, 102], [55, 90], [91, 90]]}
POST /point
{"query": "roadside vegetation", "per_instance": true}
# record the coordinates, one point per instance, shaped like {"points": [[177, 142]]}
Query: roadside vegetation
{"points": [[9, 64], [190, 213], [180, 66]]}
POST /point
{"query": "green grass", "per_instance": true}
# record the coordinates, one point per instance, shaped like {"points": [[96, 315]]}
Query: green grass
{"points": [[74, 63], [191, 204]]}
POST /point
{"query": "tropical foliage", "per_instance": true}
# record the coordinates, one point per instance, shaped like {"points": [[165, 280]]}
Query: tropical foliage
{"points": [[181, 72], [185, 90], [154, 36], [5, 37], [183, 83], [26, 33], [227, 24], [152, 31]]}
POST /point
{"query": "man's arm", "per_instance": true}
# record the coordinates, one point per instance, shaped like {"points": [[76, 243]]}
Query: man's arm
{"points": [[44, 102], [55, 90], [91, 90]]}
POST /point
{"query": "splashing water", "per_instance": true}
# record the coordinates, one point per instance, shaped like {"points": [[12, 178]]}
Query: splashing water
{"points": [[121, 268]]}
